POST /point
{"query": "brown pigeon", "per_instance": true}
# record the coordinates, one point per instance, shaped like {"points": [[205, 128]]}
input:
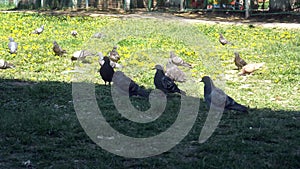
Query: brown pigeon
{"points": [[218, 99], [250, 68], [239, 62], [114, 55], [57, 49]]}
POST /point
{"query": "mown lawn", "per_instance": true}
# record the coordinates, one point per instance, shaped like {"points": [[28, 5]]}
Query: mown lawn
{"points": [[38, 121]]}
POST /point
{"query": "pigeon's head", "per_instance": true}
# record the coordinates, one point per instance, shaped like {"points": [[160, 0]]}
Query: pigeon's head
{"points": [[236, 54], [158, 67], [221, 36], [42, 26], [172, 54], [11, 39], [206, 79], [115, 47], [74, 32], [106, 59], [54, 43]]}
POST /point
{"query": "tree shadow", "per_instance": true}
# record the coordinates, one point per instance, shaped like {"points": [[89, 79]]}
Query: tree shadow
{"points": [[39, 123]]}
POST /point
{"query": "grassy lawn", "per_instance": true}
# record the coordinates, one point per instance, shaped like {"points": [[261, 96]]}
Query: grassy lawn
{"points": [[38, 121]]}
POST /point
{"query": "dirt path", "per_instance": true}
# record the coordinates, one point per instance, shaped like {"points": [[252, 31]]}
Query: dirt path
{"points": [[271, 21]]}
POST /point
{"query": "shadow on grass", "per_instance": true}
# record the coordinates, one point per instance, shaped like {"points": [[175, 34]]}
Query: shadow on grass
{"points": [[38, 123]]}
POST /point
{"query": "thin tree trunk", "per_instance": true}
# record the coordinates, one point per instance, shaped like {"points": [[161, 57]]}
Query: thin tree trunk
{"points": [[280, 5]]}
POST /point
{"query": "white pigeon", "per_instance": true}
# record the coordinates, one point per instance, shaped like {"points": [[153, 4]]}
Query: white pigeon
{"points": [[38, 30], [5, 65], [12, 46]]}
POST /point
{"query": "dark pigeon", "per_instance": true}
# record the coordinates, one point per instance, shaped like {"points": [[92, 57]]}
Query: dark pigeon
{"points": [[114, 55], [74, 33], [164, 83], [174, 73], [239, 62], [218, 99], [223, 41], [106, 70], [5, 65], [39, 30], [125, 85], [57, 49], [12, 46], [179, 61]]}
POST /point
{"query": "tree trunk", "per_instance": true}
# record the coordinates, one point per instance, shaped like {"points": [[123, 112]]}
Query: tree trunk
{"points": [[127, 5], [280, 5], [181, 5]]}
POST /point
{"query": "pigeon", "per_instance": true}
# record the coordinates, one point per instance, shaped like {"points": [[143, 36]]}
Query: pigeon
{"points": [[114, 55], [98, 35], [106, 71], [178, 61], [74, 33], [5, 65], [223, 41], [218, 99], [80, 55], [57, 49], [250, 68], [112, 63], [12, 46], [126, 85], [164, 83], [39, 30], [174, 73], [239, 62]]}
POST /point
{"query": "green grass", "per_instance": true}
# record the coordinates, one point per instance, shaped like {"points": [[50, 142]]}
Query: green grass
{"points": [[38, 121]]}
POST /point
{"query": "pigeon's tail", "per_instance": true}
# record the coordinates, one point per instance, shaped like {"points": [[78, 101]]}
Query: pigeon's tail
{"points": [[9, 65], [238, 107], [183, 92], [141, 92]]}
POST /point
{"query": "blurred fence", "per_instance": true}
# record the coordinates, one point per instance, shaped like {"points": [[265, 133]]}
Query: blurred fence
{"points": [[252, 7]]}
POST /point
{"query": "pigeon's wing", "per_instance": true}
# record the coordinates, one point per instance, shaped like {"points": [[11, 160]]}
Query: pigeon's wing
{"points": [[218, 98], [177, 60], [169, 85], [175, 74], [243, 62]]}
